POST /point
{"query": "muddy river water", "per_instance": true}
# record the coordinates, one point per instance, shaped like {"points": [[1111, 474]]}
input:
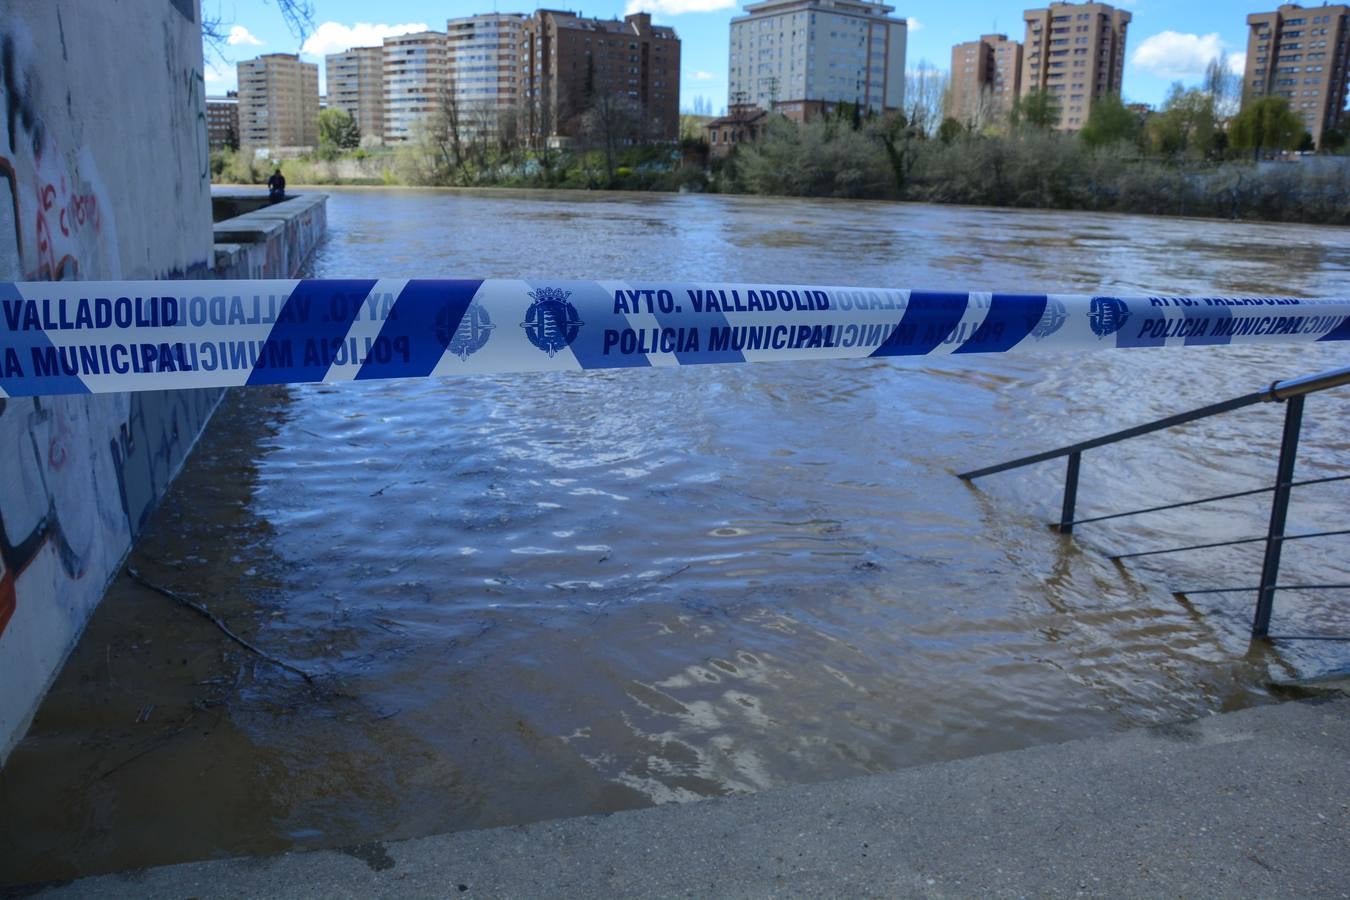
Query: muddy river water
{"points": [[525, 597]]}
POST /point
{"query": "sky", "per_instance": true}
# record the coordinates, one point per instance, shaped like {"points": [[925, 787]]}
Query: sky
{"points": [[1169, 40]]}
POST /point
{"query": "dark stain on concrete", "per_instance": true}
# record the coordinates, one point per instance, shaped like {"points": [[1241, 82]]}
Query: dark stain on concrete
{"points": [[21, 104], [61, 28], [1182, 732], [372, 854], [23, 891]]}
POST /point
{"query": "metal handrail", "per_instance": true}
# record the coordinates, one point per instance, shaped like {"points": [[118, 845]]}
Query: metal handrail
{"points": [[1291, 392], [1215, 499], [1278, 392], [1253, 540], [1310, 384], [1278, 587], [1170, 422]]}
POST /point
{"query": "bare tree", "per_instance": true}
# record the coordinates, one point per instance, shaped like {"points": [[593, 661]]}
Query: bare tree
{"points": [[978, 111], [612, 121], [482, 122], [537, 118], [441, 137], [1224, 86], [925, 89], [298, 15], [510, 137], [990, 112]]}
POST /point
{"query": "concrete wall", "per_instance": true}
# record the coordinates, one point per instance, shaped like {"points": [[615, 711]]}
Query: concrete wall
{"points": [[104, 173], [271, 241]]}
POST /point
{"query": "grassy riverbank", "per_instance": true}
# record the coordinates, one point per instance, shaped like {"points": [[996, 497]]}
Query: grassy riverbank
{"points": [[876, 159]]}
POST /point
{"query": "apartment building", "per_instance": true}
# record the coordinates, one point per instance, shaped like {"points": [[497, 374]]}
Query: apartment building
{"points": [[222, 121], [741, 125], [986, 79], [278, 104], [1075, 52], [355, 79], [569, 64], [482, 56], [803, 56], [1302, 55], [415, 82]]}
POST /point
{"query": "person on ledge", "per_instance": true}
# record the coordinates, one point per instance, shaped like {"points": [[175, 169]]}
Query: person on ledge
{"points": [[276, 186]]}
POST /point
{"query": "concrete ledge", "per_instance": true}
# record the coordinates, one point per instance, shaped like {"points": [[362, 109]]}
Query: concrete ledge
{"points": [[272, 241], [265, 221], [226, 204], [1253, 803]]}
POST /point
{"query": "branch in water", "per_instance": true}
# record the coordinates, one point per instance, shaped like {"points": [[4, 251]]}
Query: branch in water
{"points": [[207, 614]]}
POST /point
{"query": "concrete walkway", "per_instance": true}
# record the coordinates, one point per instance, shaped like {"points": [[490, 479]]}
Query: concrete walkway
{"points": [[1249, 804]]}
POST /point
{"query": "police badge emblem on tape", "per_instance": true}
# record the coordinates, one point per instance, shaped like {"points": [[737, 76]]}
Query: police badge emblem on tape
{"points": [[551, 322], [472, 333], [1107, 316]]}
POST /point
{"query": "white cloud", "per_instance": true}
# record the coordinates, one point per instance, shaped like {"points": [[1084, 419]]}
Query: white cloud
{"points": [[334, 37], [212, 75], [1172, 54], [701, 75], [676, 7], [241, 35], [1237, 64], [914, 23]]}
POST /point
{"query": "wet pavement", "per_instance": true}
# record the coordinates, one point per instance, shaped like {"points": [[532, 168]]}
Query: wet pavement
{"points": [[1246, 804]]}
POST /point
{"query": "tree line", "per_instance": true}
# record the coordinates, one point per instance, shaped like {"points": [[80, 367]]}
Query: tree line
{"points": [[1187, 158], [1190, 157]]}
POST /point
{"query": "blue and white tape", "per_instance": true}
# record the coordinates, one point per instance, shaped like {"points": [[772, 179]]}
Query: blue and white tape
{"points": [[101, 337]]}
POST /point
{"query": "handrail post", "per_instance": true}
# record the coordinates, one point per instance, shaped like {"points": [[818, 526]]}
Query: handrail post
{"points": [[1070, 493], [1279, 510]]}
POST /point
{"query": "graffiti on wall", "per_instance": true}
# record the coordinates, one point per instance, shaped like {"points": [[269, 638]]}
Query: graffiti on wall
{"points": [[80, 475], [38, 443], [195, 83], [150, 445], [52, 202], [53, 496], [301, 233]]}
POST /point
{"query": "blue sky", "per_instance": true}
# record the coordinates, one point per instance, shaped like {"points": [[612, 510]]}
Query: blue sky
{"points": [[1170, 40]]}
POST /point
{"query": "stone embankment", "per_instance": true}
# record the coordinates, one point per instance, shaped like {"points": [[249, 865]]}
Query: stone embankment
{"points": [[266, 240]]}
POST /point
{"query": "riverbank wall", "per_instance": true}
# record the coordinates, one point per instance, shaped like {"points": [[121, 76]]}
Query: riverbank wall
{"points": [[99, 182], [269, 240]]}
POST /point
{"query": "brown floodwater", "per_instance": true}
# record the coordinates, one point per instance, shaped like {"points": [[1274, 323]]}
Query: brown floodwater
{"points": [[536, 596]]}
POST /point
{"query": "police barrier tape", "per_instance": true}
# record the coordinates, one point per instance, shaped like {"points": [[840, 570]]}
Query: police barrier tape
{"points": [[100, 337]]}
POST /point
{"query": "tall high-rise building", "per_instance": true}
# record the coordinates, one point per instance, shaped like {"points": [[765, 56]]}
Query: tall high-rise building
{"points": [[628, 69], [1075, 52], [415, 84], [278, 103], [1302, 55], [483, 69], [802, 57], [356, 85], [986, 79]]}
